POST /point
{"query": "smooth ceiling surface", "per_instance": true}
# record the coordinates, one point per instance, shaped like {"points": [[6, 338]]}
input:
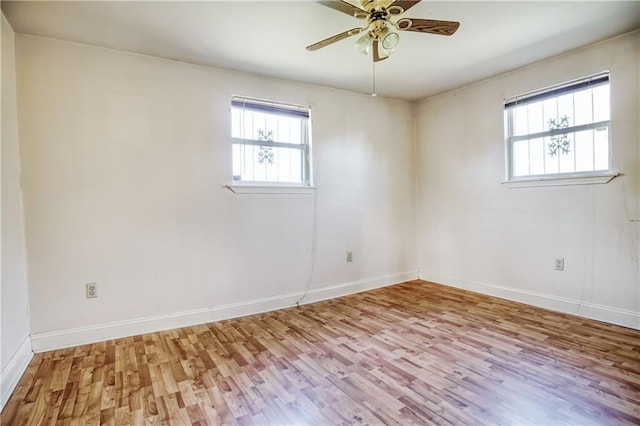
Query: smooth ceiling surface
{"points": [[269, 37]]}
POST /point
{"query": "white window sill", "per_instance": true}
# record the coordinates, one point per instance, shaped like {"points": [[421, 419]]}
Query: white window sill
{"points": [[244, 188], [591, 179]]}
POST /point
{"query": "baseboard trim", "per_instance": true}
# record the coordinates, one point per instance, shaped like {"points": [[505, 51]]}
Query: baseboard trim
{"points": [[598, 312], [10, 376], [48, 341], [331, 292]]}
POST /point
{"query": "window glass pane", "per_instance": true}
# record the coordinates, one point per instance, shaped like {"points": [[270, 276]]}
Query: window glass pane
{"points": [[257, 125], [253, 121], [264, 163], [601, 148], [236, 123], [282, 135], [520, 121], [566, 154], [583, 107], [551, 163], [295, 131], [565, 108], [601, 103], [536, 156], [291, 169], [550, 111], [270, 128], [237, 161], [535, 118], [246, 163], [584, 151], [521, 158]]}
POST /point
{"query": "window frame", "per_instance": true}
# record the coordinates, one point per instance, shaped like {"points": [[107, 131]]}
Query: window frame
{"points": [[275, 108], [562, 178]]}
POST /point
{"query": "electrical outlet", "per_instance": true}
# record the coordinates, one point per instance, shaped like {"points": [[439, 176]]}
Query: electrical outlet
{"points": [[559, 264], [92, 290], [349, 256]]}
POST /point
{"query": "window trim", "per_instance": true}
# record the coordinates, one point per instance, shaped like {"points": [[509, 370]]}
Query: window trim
{"points": [[566, 178], [275, 188], [282, 108], [587, 178]]}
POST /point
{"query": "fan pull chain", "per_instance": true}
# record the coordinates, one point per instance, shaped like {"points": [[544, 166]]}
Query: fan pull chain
{"points": [[374, 94]]}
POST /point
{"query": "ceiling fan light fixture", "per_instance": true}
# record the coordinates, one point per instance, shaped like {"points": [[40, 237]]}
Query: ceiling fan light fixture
{"points": [[389, 39], [363, 45]]}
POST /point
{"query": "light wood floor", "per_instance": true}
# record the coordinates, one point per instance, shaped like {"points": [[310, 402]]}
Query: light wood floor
{"points": [[414, 353]]}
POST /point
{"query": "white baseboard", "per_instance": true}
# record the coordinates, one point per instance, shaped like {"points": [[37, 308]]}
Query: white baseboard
{"points": [[603, 313], [10, 376], [331, 292], [84, 335]]}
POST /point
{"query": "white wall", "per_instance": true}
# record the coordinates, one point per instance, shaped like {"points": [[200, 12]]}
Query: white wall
{"points": [[125, 157], [124, 160], [475, 233], [15, 346]]}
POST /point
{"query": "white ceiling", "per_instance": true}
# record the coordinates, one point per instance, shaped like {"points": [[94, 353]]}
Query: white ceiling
{"points": [[269, 37]]}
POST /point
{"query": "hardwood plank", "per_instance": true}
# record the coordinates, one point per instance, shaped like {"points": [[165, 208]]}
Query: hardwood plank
{"points": [[413, 353]]}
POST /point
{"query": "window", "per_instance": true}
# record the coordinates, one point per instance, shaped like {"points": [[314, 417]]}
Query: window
{"points": [[560, 132], [270, 142]]}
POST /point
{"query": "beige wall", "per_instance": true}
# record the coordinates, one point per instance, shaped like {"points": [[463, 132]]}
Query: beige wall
{"points": [[474, 232], [124, 161], [14, 316]]}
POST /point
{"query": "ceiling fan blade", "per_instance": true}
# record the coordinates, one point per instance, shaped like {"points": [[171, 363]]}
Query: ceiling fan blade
{"points": [[428, 26], [405, 4], [334, 38], [341, 6]]}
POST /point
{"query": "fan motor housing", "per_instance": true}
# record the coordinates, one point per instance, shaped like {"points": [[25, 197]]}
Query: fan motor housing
{"points": [[378, 15]]}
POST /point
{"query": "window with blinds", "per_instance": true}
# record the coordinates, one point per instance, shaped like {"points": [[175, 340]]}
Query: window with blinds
{"points": [[270, 142], [563, 130]]}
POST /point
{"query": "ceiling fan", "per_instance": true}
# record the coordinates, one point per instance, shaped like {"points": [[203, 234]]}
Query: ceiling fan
{"points": [[382, 21]]}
